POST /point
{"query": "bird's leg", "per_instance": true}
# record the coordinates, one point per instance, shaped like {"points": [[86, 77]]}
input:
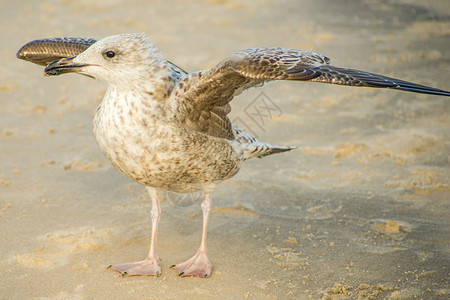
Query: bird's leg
{"points": [[148, 266], [199, 265]]}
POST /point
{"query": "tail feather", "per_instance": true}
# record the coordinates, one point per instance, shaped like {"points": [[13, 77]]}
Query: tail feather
{"points": [[260, 150], [251, 147]]}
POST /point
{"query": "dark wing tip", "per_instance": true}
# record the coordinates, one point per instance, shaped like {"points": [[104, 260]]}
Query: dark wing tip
{"points": [[24, 52], [351, 77], [417, 88], [45, 51]]}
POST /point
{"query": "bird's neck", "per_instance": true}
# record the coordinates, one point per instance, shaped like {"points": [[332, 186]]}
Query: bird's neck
{"points": [[154, 83]]}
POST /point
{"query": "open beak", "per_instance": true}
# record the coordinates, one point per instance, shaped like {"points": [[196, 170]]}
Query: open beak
{"points": [[62, 66]]}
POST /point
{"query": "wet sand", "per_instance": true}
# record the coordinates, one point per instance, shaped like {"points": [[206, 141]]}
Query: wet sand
{"points": [[360, 211]]}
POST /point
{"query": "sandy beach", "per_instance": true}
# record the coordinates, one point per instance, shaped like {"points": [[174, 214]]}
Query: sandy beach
{"points": [[359, 211]]}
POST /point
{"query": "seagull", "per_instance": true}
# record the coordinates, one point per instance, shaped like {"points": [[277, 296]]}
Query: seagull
{"points": [[169, 130]]}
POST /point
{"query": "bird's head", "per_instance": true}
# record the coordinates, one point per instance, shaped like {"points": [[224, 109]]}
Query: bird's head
{"points": [[114, 59]]}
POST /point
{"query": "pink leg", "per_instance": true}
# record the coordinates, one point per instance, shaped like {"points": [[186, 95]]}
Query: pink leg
{"points": [[199, 265], [148, 266]]}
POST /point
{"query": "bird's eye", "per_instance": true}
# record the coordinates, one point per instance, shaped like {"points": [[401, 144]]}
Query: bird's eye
{"points": [[110, 54]]}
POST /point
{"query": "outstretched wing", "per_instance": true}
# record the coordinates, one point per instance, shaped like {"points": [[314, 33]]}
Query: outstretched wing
{"points": [[351, 77], [45, 51], [205, 95]]}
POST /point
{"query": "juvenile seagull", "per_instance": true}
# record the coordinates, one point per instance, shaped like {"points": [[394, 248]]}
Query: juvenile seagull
{"points": [[169, 130]]}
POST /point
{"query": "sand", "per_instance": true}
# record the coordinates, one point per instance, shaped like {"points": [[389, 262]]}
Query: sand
{"points": [[360, 211]]}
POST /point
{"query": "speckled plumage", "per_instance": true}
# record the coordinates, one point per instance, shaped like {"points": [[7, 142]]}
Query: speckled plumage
{"points": [[146, 141], [160, 126], [168, 129]]}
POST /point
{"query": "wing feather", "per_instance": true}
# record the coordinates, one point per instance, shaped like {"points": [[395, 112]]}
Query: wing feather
{"points": [[206, 92], [215, 88], [45, 51], [204, 96]]}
